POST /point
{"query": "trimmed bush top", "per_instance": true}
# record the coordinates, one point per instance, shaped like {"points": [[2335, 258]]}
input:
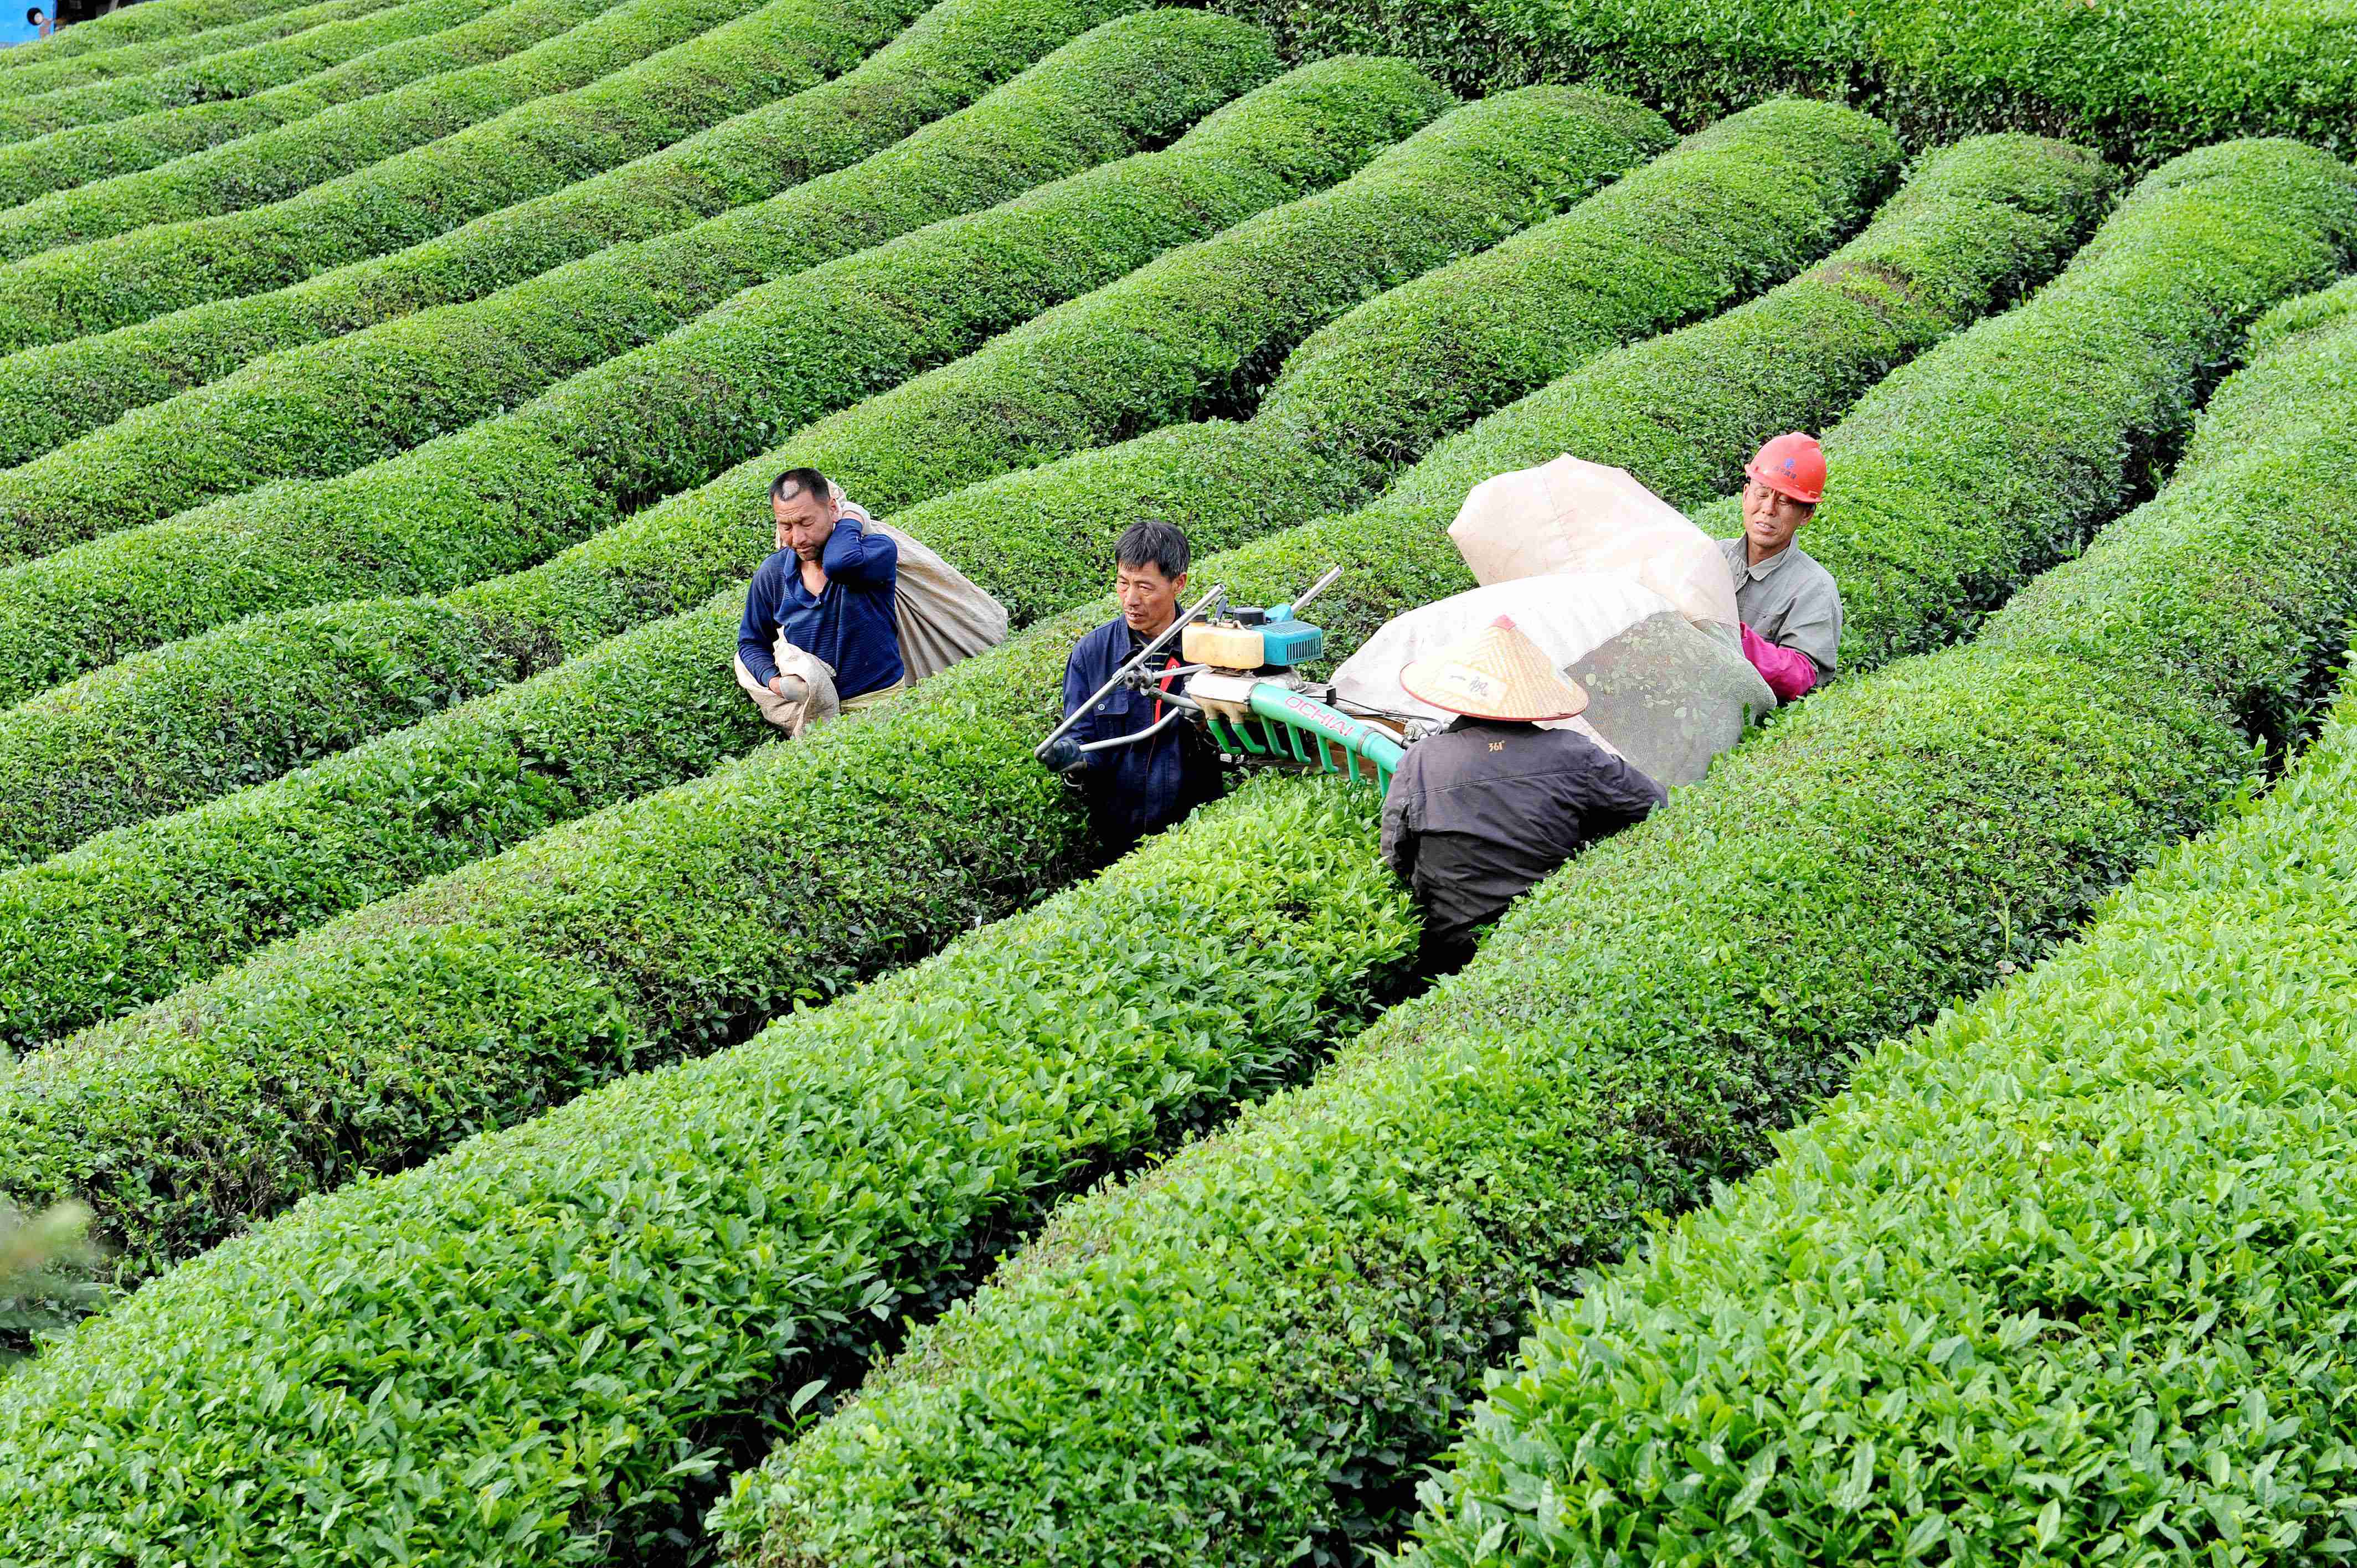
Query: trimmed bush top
{"points": [[320, 410], [279, 163], [2145, 80], [127, 141], [582, 102], [27, 69], [942, 61], [155, 21], [239, 77]]}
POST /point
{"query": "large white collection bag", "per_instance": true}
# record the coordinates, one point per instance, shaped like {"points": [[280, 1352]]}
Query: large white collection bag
{"points": [[1572, 516], [1663, 692], [1622, 592]]}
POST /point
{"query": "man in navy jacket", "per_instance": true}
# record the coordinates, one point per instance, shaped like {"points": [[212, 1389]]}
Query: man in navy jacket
{"points": [[827, 591], [1133, 790]]}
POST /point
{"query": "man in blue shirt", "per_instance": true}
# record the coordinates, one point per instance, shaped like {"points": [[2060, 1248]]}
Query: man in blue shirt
{"points": [[1133, 790], [828, 591]]}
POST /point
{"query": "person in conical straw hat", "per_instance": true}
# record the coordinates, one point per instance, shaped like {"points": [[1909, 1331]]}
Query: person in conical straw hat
{"points": [[1482, 811]]}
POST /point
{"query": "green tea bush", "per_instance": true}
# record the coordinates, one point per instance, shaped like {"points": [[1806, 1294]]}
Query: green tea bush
{"points": [[1974, 227], [204, 113], [2061, 1276], [319, 411], [2257, 502], [286, 160], [599, 1306], [720, 878], [542, 752], [530, 126], [26, 72], [1359, 399], [945, 60], [2143, 79], [1242, 1358], [205, 711], [2139, 328], [176, 22], [721, 390], [226, 80], [1341, 1266]]}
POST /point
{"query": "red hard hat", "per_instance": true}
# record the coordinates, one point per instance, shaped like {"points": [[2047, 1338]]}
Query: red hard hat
{"points": [[1792, 465]]}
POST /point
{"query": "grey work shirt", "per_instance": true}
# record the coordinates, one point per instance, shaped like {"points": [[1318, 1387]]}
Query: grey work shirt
{"points": [[1788, 599], [1482, 811]]}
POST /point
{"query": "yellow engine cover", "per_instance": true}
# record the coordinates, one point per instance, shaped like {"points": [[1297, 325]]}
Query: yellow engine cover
{"points": [[1222, 646]]}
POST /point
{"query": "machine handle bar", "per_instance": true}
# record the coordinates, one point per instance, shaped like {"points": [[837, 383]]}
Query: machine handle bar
{"points": [[1148, 733], [1215, 595], [1316, 588]]}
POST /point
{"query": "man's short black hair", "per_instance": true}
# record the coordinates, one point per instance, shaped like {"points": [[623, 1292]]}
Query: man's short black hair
{"points": [[802, 481], [1154, 542]]}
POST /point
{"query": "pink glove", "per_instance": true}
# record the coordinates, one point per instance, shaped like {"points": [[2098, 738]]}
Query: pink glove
{"points": [[1790, 673]]}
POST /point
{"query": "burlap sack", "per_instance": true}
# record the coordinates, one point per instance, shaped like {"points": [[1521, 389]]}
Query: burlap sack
{"points": [[941, 614]]}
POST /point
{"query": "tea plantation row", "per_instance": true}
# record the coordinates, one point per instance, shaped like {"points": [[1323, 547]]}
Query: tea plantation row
{"points": [[99, 133], [541, 1515], [2143, 79], [350, 28], [1258, 1344], [175, 235], [319, 411], [740, 851], [151, 36], [941, 61]]}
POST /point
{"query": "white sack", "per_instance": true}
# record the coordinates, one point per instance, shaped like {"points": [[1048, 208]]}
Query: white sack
{"points": [[1575, 517], [1667, 695], [818, 701]]}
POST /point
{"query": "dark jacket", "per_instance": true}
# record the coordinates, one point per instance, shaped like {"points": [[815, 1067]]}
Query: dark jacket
{"points": [[1481, 812], [1133, 790], [849, 626]]}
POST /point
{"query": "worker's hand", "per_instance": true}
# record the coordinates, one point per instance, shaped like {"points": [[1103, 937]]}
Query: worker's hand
{"points": [[791, 688], [1790, 673]]}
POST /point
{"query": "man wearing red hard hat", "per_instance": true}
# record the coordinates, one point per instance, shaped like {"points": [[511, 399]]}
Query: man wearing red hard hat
{"points": [[1791, 611]]}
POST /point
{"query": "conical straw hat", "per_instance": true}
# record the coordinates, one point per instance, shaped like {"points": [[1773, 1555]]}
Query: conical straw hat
{"points": [[1496, 673]]}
